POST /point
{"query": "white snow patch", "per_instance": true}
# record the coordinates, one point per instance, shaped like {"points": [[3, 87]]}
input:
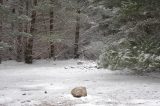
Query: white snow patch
{"points": [[88, 104], [50, 82], [5, 100]]}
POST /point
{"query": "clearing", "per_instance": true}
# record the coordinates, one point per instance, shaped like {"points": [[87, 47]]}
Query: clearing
{"points": [[48, 83]]}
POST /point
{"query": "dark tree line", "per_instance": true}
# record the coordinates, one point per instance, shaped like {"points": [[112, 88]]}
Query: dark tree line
{"points": [[25, 15]]}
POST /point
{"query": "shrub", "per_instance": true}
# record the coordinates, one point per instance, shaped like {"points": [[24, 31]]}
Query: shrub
{"points": [[139, 49], [126, 55]]}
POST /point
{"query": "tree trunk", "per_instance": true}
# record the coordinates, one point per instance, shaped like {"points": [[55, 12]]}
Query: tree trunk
{"points": [[1, 3], [52, 50], [19, 37], [19, 50], [52, 46], [26, 30], [27, 14], [29, 55], [76, 43]]}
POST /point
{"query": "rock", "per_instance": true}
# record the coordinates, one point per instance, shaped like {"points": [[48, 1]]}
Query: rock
{"points": [[79, 63], [79, 92], [45, 92], [22, 101], [98, 67], [28, 101], [24, 94]]}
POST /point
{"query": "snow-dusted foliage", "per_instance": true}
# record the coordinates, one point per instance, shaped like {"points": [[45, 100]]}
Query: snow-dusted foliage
{"points": [[135, 42], [139, 49], [116, 59]]}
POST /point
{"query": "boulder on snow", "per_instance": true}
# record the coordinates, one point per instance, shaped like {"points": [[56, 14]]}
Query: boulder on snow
{"points": [[79, 63], [79, 92]]}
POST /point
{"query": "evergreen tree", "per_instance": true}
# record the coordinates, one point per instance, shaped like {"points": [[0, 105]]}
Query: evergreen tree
{"points": [[29, 46], [1, 25]]}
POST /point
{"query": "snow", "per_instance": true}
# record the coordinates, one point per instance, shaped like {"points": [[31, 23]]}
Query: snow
{"points": [[49, 83]]}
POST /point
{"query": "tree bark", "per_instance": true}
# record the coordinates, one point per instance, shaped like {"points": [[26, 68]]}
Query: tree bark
{"points": [[29, 55], [27, 14], [52, 50], [52, 46], [19, 37], [26, 30], [76, 43], [1, 3]]}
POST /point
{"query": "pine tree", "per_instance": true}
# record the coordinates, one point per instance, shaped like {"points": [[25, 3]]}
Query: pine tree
{"points": [[52, 45], [19, 36], [1, 3], [76, 43], [26, 29], [29, 46]]}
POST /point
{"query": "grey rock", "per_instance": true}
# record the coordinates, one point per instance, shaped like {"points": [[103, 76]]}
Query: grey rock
{"points": [[79, 92]]}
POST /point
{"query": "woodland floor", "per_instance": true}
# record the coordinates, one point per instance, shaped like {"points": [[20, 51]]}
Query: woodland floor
{"points": [[48, 83]]}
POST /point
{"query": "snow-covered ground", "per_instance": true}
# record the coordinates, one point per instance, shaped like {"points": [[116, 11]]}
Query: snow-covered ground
{"points": [[48, 83]]}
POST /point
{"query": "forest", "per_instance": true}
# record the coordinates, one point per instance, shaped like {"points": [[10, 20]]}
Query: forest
{"points": [[48, 47], [120, 33]]}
